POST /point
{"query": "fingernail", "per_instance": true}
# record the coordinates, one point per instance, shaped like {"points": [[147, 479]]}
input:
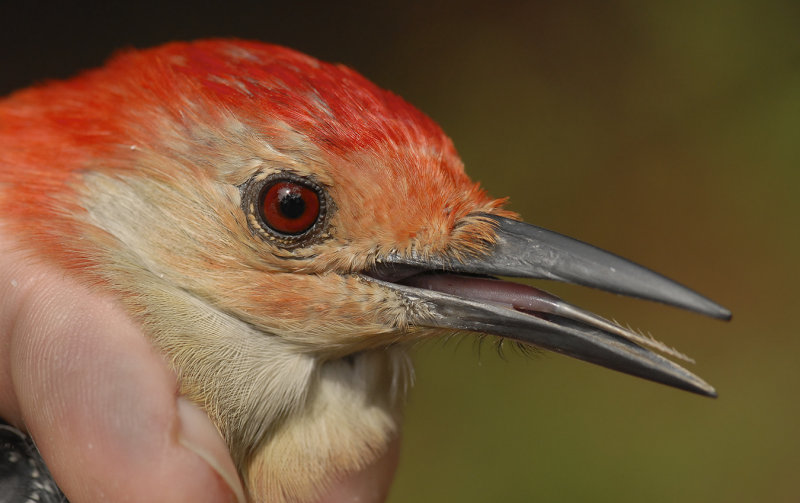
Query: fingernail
{"points": [[194, 433]]}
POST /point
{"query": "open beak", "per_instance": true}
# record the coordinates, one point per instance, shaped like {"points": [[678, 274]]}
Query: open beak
{"points": [[464, 295]]}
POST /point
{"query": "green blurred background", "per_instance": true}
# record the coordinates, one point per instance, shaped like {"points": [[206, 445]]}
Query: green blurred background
{"points": [[666, 132]]}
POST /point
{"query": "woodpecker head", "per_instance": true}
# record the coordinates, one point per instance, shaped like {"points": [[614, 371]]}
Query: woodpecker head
{"points": [[283, 229]]}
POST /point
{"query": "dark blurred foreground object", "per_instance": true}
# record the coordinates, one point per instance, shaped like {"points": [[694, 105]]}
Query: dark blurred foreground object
{"points": [[23, 475]]}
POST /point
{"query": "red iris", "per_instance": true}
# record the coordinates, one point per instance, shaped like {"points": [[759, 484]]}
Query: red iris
{"points": [[289, 207]]}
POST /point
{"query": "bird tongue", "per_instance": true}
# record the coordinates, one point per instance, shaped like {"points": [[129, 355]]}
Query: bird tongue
{"points": [[513, 295], [528, 300]]}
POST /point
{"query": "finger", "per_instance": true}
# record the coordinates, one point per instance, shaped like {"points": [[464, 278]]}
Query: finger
{"points": [[101, 403]]}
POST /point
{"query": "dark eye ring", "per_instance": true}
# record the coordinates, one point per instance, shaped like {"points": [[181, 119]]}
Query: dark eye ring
{"points": [[285, 207]]}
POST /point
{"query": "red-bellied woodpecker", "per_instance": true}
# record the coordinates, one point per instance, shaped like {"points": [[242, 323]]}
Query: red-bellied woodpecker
{"points": [[283, 229]]}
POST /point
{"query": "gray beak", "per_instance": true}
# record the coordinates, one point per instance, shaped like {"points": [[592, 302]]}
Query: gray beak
{"points": [[464, 295]]}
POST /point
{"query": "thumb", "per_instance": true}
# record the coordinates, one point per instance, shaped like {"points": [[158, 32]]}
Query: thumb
{"points": [[98, 400]]}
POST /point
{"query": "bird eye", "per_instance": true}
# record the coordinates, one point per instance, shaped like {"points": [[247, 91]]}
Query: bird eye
{"points": [[289, 207]]}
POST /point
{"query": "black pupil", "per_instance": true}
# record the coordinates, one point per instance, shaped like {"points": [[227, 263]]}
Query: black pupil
{"points": [[291, 204]]}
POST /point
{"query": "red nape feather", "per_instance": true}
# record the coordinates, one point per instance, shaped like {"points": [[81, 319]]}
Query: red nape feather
{"points": [[94, 113], [336, 107]]}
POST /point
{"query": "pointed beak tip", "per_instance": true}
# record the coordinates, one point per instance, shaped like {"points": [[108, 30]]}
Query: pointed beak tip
{"points": [[707, 392], [702, 388], [710, 308]]}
